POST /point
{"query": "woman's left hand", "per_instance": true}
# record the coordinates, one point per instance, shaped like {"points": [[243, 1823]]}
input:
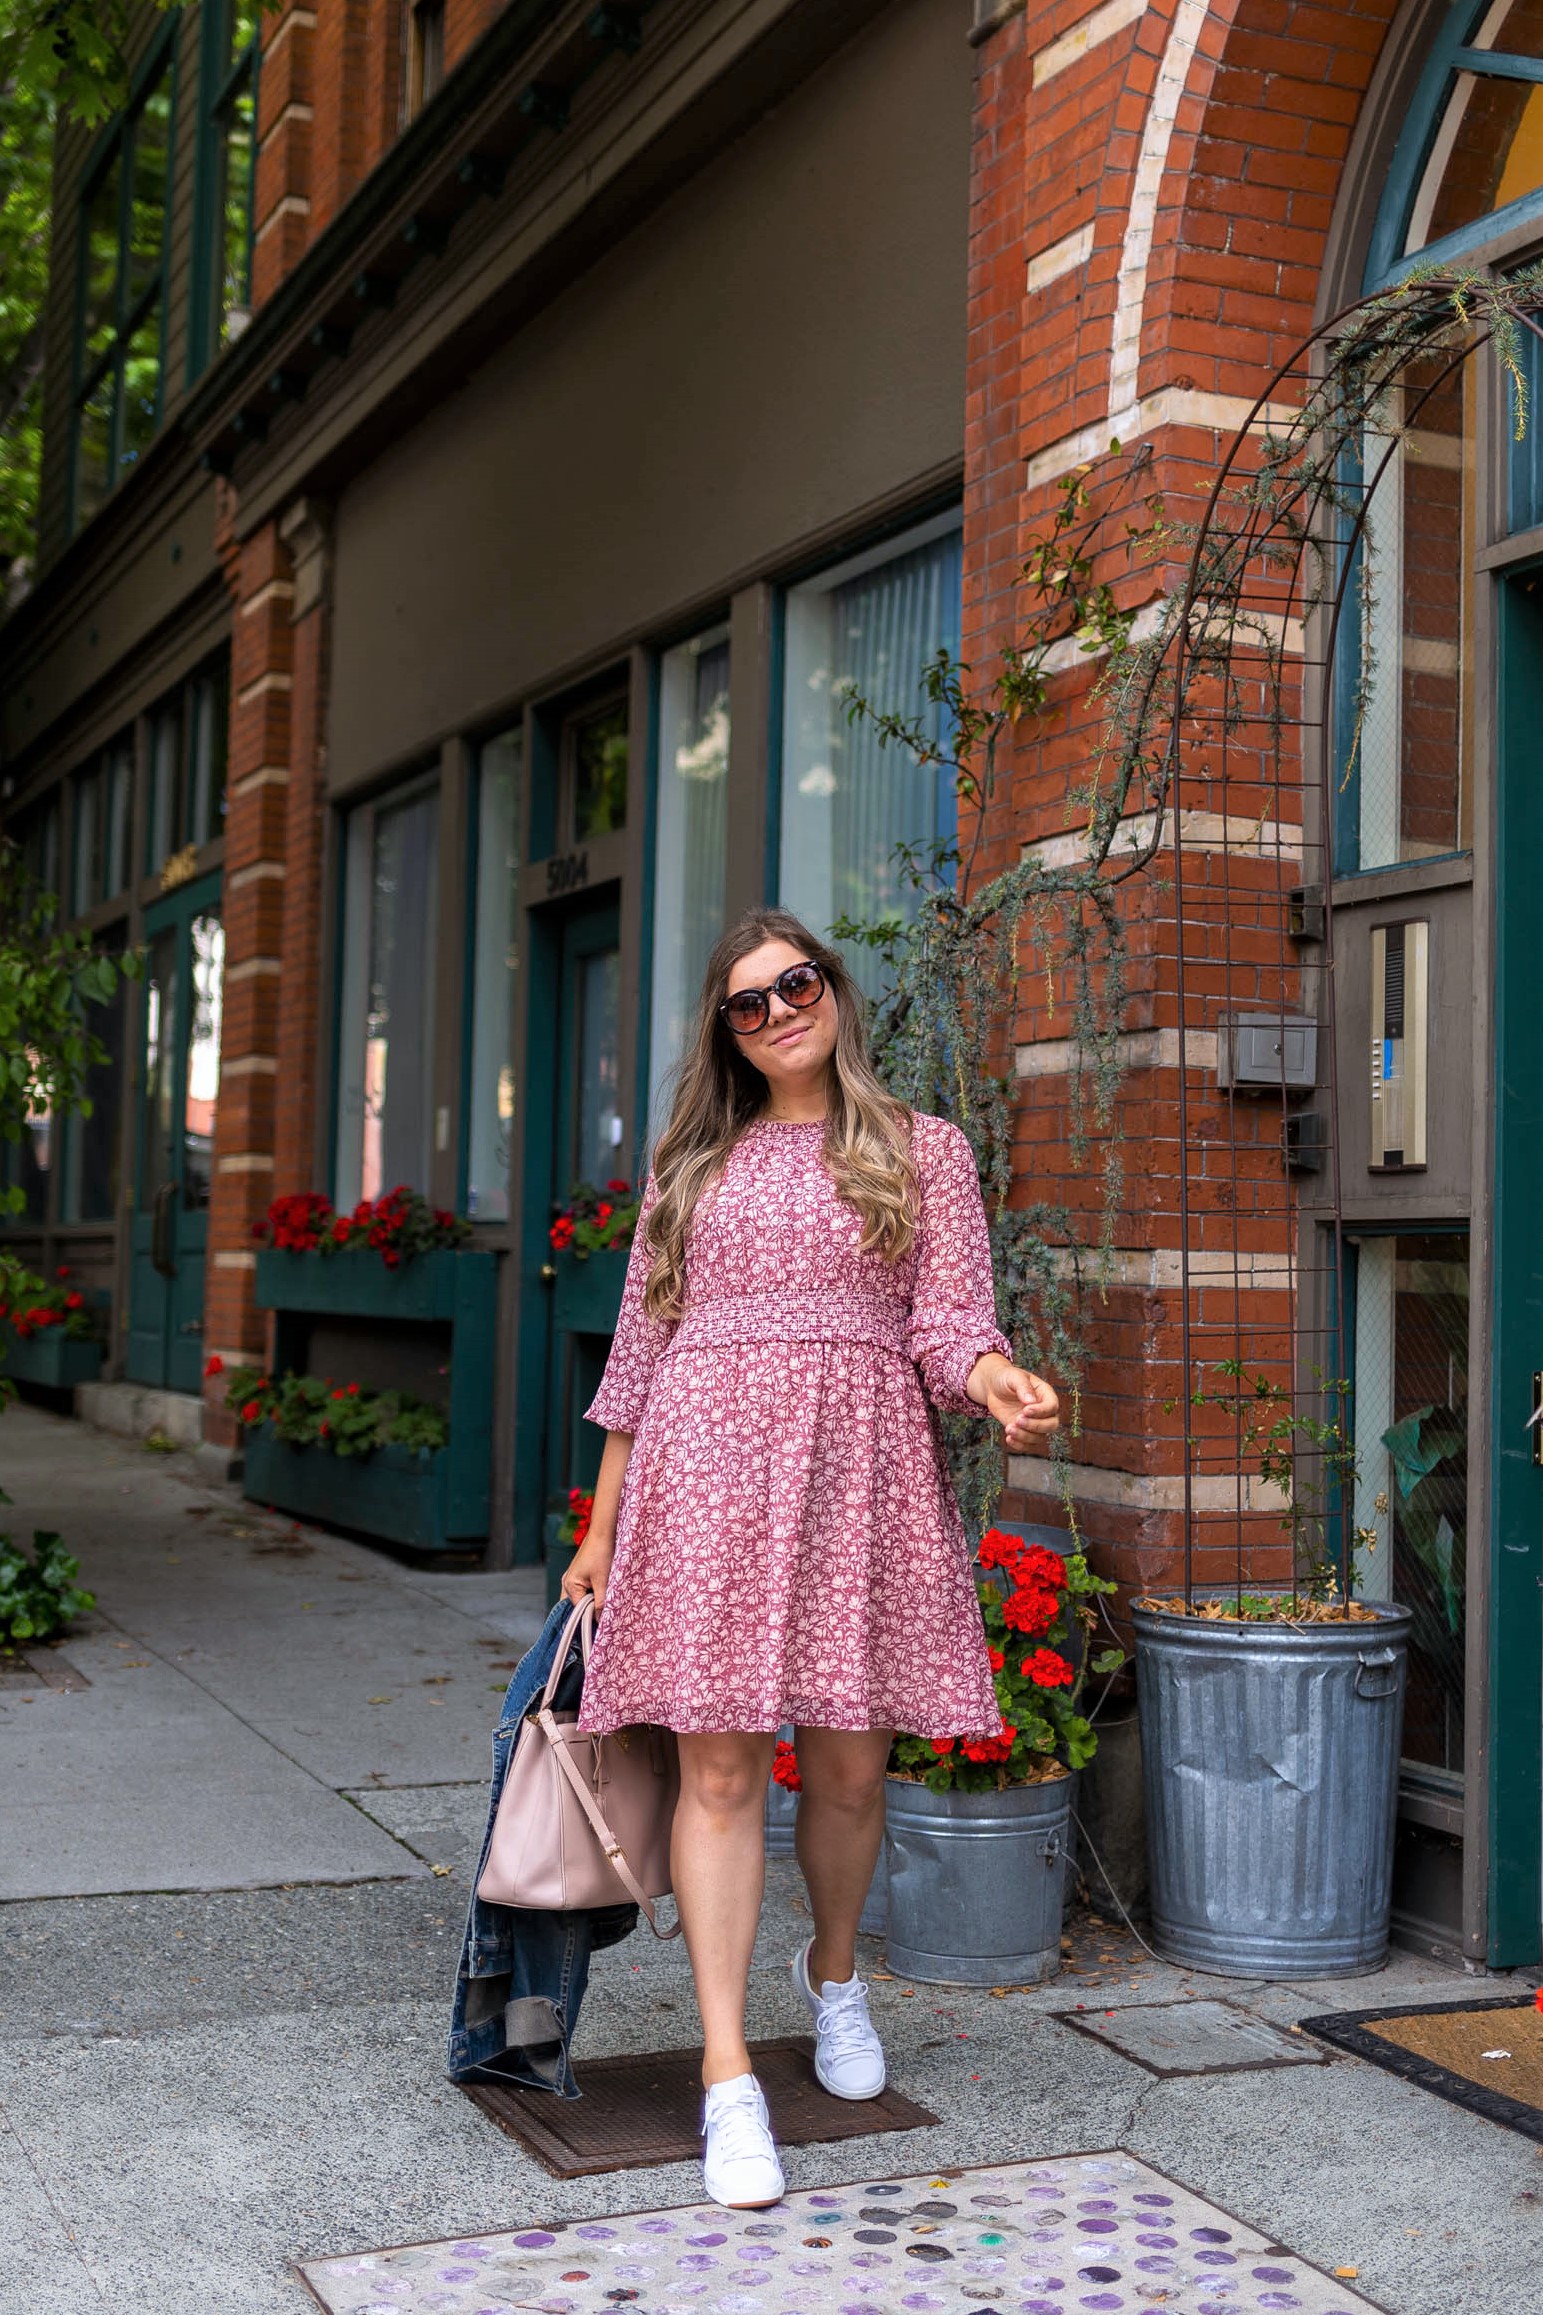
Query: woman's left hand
{"points": [[1024, 1404]]}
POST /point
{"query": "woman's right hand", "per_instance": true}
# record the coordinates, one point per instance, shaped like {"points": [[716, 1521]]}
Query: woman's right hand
{"points": [[590, 1570]]}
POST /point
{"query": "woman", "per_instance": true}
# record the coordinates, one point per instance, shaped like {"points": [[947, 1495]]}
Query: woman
{"points": [[774, 1537]]}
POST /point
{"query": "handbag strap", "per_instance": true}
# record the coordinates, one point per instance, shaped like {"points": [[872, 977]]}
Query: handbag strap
{"points": [[602, 1831], [582, 1621]]}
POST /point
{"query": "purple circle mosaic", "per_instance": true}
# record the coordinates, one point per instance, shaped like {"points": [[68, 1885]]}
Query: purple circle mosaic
{"points": [[1090, 2235]]}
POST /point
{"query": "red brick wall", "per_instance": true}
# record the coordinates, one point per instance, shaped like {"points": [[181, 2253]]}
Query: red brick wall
{"points": [[1060, 357]]}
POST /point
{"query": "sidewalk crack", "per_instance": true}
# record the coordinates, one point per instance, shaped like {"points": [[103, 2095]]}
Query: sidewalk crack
{"points": [[47, 2193]]}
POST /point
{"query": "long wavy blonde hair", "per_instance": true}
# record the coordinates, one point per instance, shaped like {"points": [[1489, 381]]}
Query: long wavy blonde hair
{"points": [[718, 1092]]}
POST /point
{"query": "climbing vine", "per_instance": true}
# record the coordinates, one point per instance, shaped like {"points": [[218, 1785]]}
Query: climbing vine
{"points": [[1177, 666]]}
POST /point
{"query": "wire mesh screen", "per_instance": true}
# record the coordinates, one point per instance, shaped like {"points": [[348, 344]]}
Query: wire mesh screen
{"points": [[1321, 704]]}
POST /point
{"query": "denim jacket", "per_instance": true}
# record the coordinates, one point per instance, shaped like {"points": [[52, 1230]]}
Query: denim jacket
{"points": [[523, 1973]]}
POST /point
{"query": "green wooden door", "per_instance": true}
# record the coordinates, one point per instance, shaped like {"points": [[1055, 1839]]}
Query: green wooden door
{"points": [[573, 1045], [178, 1082], [1515, 1750]]}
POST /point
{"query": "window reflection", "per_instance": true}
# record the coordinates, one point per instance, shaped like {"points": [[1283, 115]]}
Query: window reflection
{"points": [[599, 743], [385, 1091], [491, 1123], [690, 834], [160, 1039], [202, 1085], [867, 628], [1410, 747], [1411, 1434], [599, 1120]]}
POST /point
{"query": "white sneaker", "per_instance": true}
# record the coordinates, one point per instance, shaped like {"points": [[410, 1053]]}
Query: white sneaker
{"points": [[739, 2162], [848, 2055]]}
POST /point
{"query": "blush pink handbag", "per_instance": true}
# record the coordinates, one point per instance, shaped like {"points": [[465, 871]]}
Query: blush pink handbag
{"points": [[579, 1815]]}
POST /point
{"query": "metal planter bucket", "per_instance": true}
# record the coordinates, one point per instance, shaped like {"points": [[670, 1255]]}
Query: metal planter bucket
{"points": [[1270, 1768], [976, 1882]]}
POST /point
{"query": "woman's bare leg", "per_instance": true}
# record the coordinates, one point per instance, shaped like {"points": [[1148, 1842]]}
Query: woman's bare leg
{"points": [[840, 1826], [718, 1864]]}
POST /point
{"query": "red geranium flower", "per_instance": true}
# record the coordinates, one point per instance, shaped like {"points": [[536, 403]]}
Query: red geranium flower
{"points": [[1048, 1670], [619, 1188], [251, 1412], [999, 1550], [213, 1365], [1030, 1611], [1039, 1566], [785, 1768], [561, 1232], [353, 1391], [63, 1270], [942, 1746], [392, 1261], [74, 1299], [991, 1748]]}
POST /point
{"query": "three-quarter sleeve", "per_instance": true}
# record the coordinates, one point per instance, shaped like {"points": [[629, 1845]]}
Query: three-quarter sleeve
{"points": [[953, 1300], [637, 1343]]}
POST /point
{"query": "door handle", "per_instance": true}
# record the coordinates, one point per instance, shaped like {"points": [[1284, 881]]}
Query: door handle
{"points": [[163, 1253]]}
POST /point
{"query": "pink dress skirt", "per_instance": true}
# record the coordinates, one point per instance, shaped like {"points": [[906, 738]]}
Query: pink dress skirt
{"points": [[788, 1546]]}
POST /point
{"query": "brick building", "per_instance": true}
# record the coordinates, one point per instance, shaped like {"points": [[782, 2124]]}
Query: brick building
{"points": [[482, 440]]}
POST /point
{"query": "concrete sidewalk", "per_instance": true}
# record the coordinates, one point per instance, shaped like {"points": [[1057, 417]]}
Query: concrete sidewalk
{"points": [[227, 2055]]}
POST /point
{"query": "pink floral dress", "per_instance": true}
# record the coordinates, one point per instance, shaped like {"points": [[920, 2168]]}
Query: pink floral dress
{"points": [[788, 1546]]}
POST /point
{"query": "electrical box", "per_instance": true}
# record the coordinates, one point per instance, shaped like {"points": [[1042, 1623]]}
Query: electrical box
{"points": [[1267, 1053], [1400, 1054]]}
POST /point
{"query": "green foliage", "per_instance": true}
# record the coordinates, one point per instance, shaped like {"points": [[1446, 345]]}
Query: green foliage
{"points": [[69, 54], [48, 979], [339, 1418], [26, 167], [596, 1221], [1307, 1457], [39, 1596], [942, 1033], [1040, 1612]]}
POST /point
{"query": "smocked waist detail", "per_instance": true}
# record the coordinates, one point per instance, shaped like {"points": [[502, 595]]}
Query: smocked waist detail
{"points": [[816, 1314]]}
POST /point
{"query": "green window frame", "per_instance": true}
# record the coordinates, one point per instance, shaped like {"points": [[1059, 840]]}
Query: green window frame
{"points": [[224, 222], [120, 310]]}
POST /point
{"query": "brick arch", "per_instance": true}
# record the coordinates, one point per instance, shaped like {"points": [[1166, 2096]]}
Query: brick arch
{"points": [[1246, 209]]}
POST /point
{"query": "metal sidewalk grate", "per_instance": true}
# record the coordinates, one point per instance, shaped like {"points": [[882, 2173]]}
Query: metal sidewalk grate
{"points": [[637, 2112]]}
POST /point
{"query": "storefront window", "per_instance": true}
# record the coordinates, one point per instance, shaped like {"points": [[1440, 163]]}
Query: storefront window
{"points": [[490, 1126], [866, 629], [120, 314], [386, 1072], [89, 1191], [1411, 1437], [187, 765], [598, 740], [101, 849], [689, 836], [28, 1163]]}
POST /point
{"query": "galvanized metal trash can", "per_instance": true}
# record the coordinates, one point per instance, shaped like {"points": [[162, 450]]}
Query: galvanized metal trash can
{"points": [[977, 1882], [1270, 1768]]}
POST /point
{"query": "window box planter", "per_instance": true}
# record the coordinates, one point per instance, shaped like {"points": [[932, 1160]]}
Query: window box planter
{"points": [[434, 1501], [51, 1359], [586, 1295], [395, 1493], [448, 1283], [1269, 1756]]}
